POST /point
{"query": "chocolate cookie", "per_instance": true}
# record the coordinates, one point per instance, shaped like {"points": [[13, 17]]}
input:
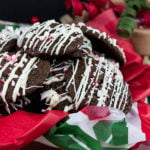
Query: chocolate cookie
{"points": [[21, 104], [97, 82], [84, 49], [86, 81], [20, 75], [54, 89], [8, 39], [102, 43], [50, 39]]}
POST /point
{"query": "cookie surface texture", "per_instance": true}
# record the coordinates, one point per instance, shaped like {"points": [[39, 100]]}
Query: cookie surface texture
{"points": [[51, 39], [102, 43], [20, 75]]}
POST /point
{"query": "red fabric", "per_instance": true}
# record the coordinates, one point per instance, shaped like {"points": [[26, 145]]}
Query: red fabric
{"points": [[20, 128], [135, 73]]}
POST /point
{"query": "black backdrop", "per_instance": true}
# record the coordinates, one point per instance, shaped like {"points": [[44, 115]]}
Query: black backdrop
{"points": [[23, 10]]}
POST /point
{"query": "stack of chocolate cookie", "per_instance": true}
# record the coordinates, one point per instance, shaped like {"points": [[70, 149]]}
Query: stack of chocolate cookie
{"points": [[60, 66]]}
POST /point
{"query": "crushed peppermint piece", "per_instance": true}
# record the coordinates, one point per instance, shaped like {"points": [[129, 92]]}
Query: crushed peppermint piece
{"points": [[12, 58], [2, 81]]}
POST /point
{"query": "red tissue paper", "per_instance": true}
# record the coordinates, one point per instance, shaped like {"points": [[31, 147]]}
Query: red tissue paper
{"points": [[21, 128]]}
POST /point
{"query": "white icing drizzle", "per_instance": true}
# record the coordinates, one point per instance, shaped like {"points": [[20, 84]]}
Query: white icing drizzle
{"points": [[107, 83], [48, 35], [97, 73], [81, 91], [6, 35], [53, 98], [4, 56], [11, 76], [89, 85], [24, 101], [68, 108], [86, 47], [21, 83], [73, 75], [59, 77], [21, 80], [63, 66]]}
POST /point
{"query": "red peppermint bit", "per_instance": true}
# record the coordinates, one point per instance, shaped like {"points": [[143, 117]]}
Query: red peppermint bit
{"points": [[75, 108], [100, 85], [92, 76], [96, 56], [2, 81], [93, 84], [65, 71], [0, 66], [34, 19], [60, 97], [0, 93], [58, 77], [113, 62], [86, 104], [16, 47], [12, 58], [91, 53], [52, 70], [113, 78], [49, 38]]}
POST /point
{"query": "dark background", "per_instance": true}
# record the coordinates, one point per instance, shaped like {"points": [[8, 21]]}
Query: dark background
{"points": [[23, 10]]}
